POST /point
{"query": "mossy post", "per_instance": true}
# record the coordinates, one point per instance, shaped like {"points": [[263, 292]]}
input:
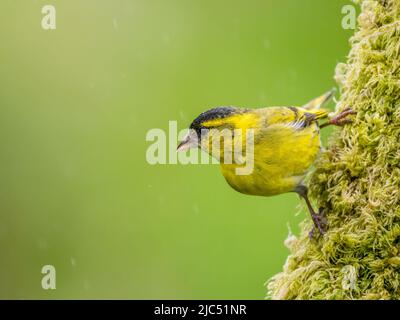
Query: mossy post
{"points": [[357, 178]]}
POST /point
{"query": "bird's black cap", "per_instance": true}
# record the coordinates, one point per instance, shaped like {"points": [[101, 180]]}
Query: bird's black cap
{"points": [[212, 114]]}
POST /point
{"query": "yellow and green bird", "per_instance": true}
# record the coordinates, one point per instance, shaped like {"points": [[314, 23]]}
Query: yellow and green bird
{"points": [[285, 143]]}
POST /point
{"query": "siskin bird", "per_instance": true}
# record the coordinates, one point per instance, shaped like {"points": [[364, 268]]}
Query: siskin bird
{"points": [[285, 143]]}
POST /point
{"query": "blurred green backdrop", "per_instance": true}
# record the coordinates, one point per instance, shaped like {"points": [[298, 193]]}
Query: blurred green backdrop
{"points": [[76, 103]]}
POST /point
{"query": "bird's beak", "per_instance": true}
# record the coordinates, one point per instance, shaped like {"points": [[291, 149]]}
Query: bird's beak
{"points": [[189, 142]]}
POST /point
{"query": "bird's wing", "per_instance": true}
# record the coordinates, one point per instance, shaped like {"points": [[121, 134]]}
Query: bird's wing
{"points": [[305, 117], [289, 139], [294, 117], [319, 102]]}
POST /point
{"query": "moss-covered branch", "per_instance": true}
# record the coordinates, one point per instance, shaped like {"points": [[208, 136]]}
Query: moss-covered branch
{"points": [[357, 178]]}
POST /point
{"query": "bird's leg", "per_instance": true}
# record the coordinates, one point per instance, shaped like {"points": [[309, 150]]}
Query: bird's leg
{"points": [[340, 119], [319, 218]]}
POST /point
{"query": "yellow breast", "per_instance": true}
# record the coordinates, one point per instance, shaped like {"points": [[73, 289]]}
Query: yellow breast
{"points": [[282, 156]]}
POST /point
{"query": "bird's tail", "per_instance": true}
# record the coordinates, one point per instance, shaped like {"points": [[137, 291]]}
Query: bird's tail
{"points": [[319, 102]]}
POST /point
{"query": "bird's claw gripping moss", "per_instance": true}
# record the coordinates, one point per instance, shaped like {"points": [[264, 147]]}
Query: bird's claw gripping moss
{"points": [[320, 223], [341, 119]]}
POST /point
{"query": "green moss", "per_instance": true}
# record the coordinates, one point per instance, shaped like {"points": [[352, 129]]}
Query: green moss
{"points": [[357, 178]]}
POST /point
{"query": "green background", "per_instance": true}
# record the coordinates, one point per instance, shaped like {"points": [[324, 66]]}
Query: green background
{"points": [[76, 103]]}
